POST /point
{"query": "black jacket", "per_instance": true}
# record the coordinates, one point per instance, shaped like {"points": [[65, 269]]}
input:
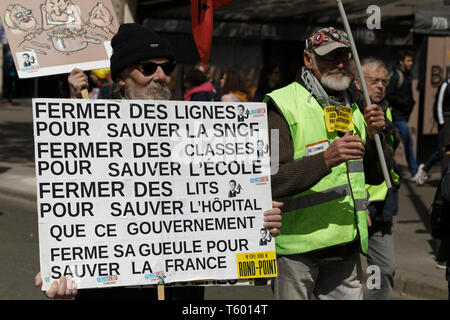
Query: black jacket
{"points": [[441, 104], [399, 94], [202, 96]]}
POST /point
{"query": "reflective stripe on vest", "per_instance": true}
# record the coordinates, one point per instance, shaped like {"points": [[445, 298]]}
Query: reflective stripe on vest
{"points": [[333, 210], [336, 193], [355, 166], [309, 200]]}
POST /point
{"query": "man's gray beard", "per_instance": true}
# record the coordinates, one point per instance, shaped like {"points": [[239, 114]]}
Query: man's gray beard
{"points": [[331, 84], [153, 91], [335, 85]]}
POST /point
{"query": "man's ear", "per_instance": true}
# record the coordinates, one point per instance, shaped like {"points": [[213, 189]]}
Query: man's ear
{"points": [[307, 59], [358, 84]]}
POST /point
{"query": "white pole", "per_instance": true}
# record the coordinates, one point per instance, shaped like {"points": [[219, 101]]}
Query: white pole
{"points": [[365, 91]]}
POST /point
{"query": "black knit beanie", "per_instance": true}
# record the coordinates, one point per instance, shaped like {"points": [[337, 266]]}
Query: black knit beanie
{"points": [[133, 43]]}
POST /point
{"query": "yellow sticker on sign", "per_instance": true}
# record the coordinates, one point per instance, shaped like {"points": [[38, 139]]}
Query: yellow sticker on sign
{"points": [[330, 117], [256, 264], [344, 119]]}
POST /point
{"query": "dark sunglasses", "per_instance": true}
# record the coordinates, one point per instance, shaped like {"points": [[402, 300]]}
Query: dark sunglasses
{"points": [[148, 68]]}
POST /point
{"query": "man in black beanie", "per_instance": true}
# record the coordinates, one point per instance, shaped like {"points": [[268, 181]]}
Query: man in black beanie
{"points": [[140, 64]]}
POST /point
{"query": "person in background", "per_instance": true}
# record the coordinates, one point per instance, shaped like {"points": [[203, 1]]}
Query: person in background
{"points": [[440, 213], [209, 73], [400, 98], [440, 106], [9, 76], [197, 87], [200, 67], [269, 80], [102, 83], [441, 103], [234, 88], [383, 202]]}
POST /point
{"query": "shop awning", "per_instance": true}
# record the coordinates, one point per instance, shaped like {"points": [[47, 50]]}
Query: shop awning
{"points": [[432, 20]]}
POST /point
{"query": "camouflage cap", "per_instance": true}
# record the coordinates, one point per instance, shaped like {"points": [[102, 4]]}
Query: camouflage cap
{"points": [[326, 40]]}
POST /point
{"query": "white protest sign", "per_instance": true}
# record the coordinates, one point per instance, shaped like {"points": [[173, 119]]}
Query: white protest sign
{"points": [[146, 192]]}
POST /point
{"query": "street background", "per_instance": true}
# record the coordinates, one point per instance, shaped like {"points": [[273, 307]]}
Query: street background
{"points": [[416, 275], [248, 35]]}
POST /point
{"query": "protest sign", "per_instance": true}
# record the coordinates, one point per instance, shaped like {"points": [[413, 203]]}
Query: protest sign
{"points": [[51, 37], [144, 192]]}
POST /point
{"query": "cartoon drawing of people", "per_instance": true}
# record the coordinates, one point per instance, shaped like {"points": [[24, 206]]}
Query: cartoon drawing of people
{"points": [[241, 115], [100, 17], [265, 237], [60, 12], [20, 19], [235, 189]]}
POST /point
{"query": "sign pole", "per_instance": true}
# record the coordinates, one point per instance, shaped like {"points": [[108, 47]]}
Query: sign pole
{"points": [[85, 94], [161, 292], [365, 91]]}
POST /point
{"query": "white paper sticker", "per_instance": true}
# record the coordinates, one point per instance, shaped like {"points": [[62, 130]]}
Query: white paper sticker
{"points": [[317, 147]]}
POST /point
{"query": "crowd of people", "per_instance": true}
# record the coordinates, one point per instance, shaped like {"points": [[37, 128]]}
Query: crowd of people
{"points": [[233, 86], [330, 199]]}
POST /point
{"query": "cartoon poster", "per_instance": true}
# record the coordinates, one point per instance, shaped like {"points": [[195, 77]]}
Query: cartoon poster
{"points": [[50, 37]]}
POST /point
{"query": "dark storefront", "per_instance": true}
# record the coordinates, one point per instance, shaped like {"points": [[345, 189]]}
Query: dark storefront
{"points": [[248, 34]]}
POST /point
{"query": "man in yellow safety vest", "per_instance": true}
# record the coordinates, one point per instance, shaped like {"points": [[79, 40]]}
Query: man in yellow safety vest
{"points": [[327, 153]]}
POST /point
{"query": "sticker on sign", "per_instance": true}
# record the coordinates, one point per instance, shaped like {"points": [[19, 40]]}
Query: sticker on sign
{"points": [[256, 264]]}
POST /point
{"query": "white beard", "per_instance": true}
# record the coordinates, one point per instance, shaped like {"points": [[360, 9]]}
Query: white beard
{"points": [[332, 84], [153, 91], [335, 85]]}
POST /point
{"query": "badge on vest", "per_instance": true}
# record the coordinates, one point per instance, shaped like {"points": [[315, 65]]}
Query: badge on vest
{"points": [[338, 118], [317, 147]]}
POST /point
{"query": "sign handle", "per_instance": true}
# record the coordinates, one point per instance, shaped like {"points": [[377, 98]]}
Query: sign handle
{"points": [[161, 292], [85, 94]]}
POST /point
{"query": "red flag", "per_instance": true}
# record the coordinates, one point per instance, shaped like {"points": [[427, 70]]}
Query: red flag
{"points": [[219, 3], [202, 13]]}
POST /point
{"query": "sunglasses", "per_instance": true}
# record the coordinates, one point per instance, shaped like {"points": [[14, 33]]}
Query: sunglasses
{"points": [[148, 68]]}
